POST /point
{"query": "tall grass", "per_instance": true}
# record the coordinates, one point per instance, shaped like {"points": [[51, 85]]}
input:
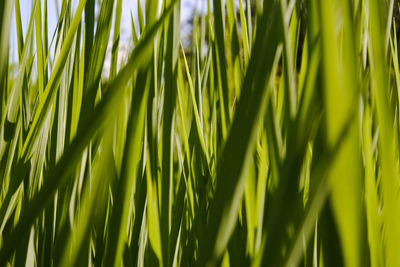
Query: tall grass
{"points": [[271, 140]]}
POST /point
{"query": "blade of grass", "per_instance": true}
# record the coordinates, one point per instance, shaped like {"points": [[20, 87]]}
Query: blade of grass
{"points": [[232, 168]]}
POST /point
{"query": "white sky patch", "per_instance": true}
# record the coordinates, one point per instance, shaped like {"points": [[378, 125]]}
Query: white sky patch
{"points": [[123, 53]]}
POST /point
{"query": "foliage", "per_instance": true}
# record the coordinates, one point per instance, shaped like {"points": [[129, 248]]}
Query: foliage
{"points": [[272, 141]]}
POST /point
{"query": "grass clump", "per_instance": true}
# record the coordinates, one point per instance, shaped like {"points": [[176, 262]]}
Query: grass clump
{"points": [[272, 140]]}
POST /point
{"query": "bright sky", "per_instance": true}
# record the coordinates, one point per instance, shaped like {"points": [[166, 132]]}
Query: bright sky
{"points": [[187, 7]]}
